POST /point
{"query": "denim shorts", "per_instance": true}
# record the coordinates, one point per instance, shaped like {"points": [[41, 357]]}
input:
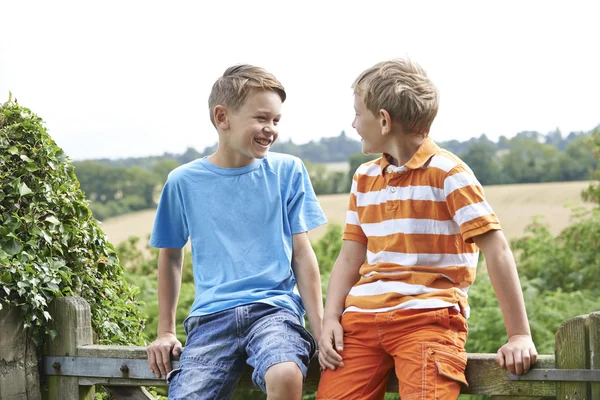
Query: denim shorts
{"points": [[219, 345]]}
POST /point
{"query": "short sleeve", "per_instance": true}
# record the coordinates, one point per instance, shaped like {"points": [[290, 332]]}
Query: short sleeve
{"points": [[352, 229], [170, 225], [467, 204], [304, 210]]}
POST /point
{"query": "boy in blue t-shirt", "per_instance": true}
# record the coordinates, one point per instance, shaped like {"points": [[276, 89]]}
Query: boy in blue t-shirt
{"points": [[247, 213]]}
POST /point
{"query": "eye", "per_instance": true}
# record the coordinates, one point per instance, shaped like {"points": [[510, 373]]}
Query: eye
{"points": [[275, 121], [260, 118]]}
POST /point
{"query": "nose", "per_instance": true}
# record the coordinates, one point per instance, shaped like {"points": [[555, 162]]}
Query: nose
{"points": [[270, 129]]}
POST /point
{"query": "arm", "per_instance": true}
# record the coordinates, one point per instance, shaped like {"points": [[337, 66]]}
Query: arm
{"points": [[170, 262], [306, 269], [519, 353], [344, 275]]}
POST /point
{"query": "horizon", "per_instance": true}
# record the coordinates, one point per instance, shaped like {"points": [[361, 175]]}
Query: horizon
{"points": [[564, 135]]}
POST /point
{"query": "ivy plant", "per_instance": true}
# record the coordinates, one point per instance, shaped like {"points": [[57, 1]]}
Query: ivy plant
{"points": [[50, 244]]}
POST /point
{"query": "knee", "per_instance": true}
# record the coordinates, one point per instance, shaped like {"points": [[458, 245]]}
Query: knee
{"points": [[283, 378]]}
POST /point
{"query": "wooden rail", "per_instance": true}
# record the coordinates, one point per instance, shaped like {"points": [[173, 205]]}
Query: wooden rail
{"points": [[73, 365]]}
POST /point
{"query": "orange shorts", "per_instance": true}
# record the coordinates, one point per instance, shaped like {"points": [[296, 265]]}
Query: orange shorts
{"points": [[426, 348]]}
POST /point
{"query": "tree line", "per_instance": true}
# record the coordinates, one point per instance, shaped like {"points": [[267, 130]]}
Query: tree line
{"points": [[121, 186]]}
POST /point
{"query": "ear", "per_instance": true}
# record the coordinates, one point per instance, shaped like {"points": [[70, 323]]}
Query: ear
{"points": [[385, 122], [220, 115]]}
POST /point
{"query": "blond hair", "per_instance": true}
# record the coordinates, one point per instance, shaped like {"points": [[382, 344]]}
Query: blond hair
{"points": [[403, 89], [237, 82]]}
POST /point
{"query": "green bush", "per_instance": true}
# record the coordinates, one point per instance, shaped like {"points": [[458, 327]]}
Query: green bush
{"points": [[50, 245]]}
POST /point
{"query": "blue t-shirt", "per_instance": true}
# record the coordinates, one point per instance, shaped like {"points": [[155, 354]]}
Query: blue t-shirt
{"points": [[240, 222]]}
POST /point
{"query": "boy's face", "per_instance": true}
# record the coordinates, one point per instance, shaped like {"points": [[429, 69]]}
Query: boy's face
{"points": [[368, 127], [254, 127]]}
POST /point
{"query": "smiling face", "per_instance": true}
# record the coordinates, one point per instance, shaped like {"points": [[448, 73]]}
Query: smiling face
{"points": [[249, 132]]}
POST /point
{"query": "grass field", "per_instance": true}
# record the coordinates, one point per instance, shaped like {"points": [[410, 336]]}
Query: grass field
{"points": [[515, 205]]}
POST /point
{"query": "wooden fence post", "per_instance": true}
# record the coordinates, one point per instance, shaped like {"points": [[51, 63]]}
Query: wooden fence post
{"points": [[576, 340], [19, 378], [71, 319]]}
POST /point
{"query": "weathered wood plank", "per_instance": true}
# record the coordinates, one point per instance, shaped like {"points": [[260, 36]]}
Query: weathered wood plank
{"points": [[72, 321], [571, 349], [484, 375], [88, 381], [109, 351]]}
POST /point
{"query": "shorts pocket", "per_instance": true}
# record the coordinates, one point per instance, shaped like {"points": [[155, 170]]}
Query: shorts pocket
{"points": [[305, 336], [172, 374], [449, 362]]}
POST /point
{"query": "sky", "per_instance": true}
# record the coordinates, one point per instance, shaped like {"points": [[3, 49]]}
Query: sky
{"points": [[116, 79]]}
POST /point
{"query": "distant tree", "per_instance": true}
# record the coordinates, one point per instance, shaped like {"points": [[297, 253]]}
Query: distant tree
{"points": [[481, 158], [530, 161], [324, 180], [190, 155], [453, 146], [592, 194], [503, 143], [578, 159], [163, 167], [556, 140]]}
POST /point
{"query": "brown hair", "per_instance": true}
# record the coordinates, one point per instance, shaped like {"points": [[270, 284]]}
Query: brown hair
{"points": [[403, 89], [232, 89]]}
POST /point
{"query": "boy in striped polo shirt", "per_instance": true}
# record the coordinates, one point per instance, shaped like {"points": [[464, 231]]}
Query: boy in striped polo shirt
{"points": [[417, 217]]}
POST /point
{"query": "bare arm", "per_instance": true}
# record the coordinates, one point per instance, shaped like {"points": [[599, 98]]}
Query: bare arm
{"points": [[170, 262], [344, 275], [306, 269], [519, 353]]}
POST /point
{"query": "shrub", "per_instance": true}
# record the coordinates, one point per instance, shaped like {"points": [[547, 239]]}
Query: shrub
{"points": [[50, 245]]}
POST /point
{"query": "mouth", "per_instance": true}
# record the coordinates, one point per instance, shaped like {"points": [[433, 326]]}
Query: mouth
{"points": [[263, 142]]}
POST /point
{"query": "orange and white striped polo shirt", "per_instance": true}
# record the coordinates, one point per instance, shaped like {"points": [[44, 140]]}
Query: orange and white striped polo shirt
{"points": [[418, 222]]}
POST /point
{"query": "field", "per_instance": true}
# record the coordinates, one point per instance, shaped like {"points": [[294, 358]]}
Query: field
{"points": [[515, 205]]}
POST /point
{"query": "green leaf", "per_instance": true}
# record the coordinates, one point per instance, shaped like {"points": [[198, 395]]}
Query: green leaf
{"points": [[24, 189], [46, 236], [53, 220], [31, 167], [23, 284], [25, 158], [13, 150], [12, 246]]}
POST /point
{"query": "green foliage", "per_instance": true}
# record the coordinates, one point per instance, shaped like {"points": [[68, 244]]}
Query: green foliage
{"points": [[528, 157], [327, 149], [559, 277], [547, 310], [142, 271], [50, 245], [327, 249], [116, 190], [592, 194], [570, 261], [325, 181], [482, 159]]}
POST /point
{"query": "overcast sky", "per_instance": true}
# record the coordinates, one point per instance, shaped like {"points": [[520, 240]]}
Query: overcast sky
{"points": [[132, 78]]}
